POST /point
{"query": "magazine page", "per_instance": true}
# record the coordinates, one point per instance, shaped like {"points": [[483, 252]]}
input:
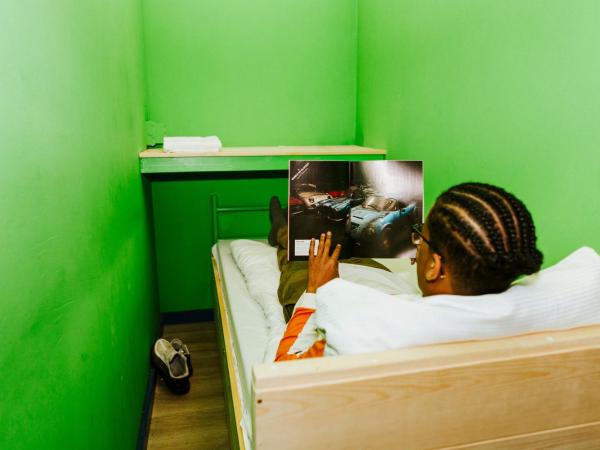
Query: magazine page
{"points": [[391, 194], [318, 202]]}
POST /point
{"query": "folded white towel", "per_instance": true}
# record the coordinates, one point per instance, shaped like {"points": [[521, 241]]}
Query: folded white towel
{"points": [[192, 144]]}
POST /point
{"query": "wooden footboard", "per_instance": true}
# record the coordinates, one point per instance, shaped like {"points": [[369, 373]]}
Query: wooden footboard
{"points": [[538, 391]]}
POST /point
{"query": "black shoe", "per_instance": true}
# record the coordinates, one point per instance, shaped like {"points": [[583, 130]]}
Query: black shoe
{"points": [[179, 346], [278, 218], [172, 367]]}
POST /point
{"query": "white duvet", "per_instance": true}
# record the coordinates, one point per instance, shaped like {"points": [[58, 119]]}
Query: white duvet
{"points": [[372, 310]]}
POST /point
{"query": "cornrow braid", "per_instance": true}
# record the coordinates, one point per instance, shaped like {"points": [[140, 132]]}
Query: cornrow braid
{"points": [[487, 236]]}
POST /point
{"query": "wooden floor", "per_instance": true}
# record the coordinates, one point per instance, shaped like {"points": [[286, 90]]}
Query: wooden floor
{"points": [[197, 420]]}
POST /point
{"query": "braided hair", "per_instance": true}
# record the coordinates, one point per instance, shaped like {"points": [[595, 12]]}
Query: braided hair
{"points": [[487, 236]]}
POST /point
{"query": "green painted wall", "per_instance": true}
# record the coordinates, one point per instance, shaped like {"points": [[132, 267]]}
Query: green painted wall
{"points": [[183, 221], [77, 303], [254, 73], [258, 72], [506, 92]]}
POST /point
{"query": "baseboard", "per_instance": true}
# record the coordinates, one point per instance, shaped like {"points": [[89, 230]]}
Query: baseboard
{"points": [[142, 441], [144, 429], [195, 315]]}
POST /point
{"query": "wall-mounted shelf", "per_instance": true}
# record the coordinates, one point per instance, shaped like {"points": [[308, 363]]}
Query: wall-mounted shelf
{"points": [[234, 159]]}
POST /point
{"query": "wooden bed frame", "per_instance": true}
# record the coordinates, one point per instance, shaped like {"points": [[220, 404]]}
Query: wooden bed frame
{"points": [[538, 391], [230, 381]]}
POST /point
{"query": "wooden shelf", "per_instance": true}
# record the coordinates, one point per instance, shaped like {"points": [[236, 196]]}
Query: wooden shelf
{"points": [[234, 159]]}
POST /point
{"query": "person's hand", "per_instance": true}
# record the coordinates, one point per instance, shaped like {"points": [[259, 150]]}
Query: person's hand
{"points": [[322, 267]]}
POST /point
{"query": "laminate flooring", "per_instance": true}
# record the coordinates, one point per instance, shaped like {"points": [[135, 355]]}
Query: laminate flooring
{"points": [[197, 420]]}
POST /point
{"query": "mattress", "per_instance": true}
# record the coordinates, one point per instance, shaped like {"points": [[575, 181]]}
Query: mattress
{"points": [[247, 325]]}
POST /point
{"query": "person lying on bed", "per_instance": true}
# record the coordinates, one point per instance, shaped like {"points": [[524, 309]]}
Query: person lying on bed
{"points": [[477, 239]]}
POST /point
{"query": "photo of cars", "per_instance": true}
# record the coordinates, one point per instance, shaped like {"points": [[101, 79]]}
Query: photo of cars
{"points": [[369, 206]]}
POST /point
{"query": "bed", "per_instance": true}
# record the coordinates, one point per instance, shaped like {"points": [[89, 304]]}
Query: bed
{"points": [[526, 392]]}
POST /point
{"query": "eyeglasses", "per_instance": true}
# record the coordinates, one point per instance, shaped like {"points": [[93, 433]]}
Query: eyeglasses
{"points": [[417, 237]]}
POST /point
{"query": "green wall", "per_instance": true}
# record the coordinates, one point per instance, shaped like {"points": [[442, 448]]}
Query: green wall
{"points": [[77, 303], [258, 72], [506, 92], [183, 221]]}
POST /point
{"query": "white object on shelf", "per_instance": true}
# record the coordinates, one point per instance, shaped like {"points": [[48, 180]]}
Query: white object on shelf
{"points": [[192, 144]]}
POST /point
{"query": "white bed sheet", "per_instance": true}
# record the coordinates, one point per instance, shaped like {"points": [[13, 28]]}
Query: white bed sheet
{"points": [[248, 327]]}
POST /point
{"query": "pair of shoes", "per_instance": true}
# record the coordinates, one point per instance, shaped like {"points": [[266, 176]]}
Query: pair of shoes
{"points": [[278, 217], [172, 366]]}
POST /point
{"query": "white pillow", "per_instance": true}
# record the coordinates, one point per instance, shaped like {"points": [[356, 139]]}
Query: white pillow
{"points": [[258, 263], [359, 319]]}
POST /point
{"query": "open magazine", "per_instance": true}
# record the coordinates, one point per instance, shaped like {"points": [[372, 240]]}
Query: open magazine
{"points": [[369, 206]]}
